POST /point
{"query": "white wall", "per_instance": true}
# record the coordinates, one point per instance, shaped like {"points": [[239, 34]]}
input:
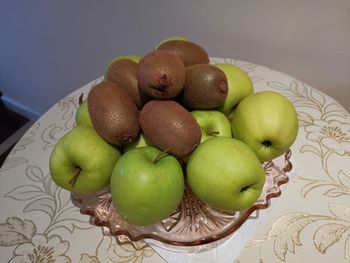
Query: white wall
{"points": [[50, 48]]}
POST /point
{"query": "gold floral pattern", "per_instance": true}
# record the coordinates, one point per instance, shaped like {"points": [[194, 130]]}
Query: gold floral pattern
{"points": [[285, 232], [333, 135], [30, 246], [42, 249], [109, 251]]}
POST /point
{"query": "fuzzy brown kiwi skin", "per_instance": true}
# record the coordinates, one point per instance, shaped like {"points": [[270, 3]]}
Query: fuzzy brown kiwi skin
{"points": [[205, 87], [113, 113], [189, 52], [161, 75], [123, 72], [170, 127]]}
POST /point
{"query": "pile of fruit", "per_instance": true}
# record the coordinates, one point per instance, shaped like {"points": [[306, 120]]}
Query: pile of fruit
{"points": [[169, 118]]}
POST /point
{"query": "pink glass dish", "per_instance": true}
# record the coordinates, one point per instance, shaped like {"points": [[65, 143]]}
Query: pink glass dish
{"points": [[192, 223]]}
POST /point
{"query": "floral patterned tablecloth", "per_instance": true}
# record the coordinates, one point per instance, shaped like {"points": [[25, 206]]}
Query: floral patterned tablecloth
{"points": [[309, 222]]}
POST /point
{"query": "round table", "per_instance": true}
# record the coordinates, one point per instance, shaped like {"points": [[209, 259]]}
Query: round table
{"points": [[309, 222]]}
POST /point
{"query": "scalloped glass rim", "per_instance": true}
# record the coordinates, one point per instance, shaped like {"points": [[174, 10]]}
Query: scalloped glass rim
{"points": [[193, 223]]}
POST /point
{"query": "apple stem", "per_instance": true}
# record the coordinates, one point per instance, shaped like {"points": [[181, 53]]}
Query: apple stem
{"points": [[81, 98], [214, 133], [75, 177], [160, 156], [211, 132]]}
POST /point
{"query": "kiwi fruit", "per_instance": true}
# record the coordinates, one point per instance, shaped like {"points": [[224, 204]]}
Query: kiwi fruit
{"points": [[190, 53], [170, 127], [175, 37], [205, 87], [161, 75], [113, 113], [123, 72]]}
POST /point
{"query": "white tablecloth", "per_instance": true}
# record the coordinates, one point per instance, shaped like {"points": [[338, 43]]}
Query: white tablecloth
{"points": [[309, 222]]}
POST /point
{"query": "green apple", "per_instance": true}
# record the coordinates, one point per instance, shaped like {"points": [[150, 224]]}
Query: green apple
{"points": [[239, 86], [267, 122], [170, 39], [212, 123], [147, 185], [225, 174], [82, 116], [82, 161], [135, 58], [141, 141]]}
